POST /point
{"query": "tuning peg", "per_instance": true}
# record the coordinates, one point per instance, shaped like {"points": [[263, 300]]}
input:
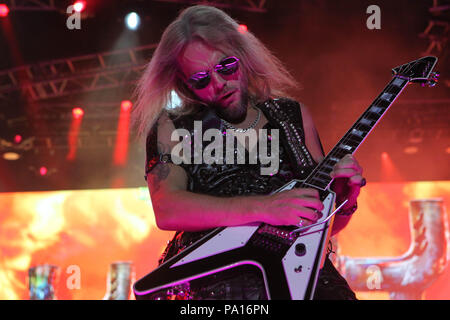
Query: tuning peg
{"points": [[429, 83], [432, 79], [435, 75]]}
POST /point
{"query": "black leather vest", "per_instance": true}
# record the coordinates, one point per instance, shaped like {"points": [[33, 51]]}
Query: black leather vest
{"points": [[228, 180]]}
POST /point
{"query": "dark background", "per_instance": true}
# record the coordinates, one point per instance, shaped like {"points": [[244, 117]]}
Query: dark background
{"points": [[341, 64]]}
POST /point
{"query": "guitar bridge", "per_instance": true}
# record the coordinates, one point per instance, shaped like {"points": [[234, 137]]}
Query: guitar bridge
{"points": [[275, 239]]}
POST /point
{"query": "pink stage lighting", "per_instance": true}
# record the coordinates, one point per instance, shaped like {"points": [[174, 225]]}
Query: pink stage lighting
{"points": [[77, 113], [43, 171], [126, 105], [79, 6], [4, 10], [17, 138], [242, 28]]}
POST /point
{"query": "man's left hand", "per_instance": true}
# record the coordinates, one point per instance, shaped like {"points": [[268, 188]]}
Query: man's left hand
{"points": [[348, 180]]}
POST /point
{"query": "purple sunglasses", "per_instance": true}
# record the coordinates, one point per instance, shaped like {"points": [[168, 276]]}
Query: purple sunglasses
{"points": [[227, 66]]}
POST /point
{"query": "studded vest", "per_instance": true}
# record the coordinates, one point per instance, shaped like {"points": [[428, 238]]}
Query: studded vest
{"points": [[227, 180]]}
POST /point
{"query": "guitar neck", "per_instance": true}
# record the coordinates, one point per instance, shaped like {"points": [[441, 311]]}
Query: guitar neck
{"points": [[320, 177]]}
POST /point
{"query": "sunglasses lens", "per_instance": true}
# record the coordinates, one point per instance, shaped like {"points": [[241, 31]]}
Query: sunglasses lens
{"points": [[228, 66], [199, 80]]}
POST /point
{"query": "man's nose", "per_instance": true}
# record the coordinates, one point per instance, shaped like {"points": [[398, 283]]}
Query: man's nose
{"points": [[217, 82]]}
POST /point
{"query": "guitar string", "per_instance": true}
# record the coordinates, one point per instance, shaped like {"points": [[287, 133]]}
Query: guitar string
{"points": [[338, 152], [390, 88], [346, 137], [357, 126], [396, 90]]}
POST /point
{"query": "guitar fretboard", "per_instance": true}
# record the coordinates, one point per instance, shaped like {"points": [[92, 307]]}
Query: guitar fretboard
{"points": [[320, 177]]}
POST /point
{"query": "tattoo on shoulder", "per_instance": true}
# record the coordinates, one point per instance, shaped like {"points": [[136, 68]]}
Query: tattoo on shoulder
{"points": [[159, 173], [161, 170]]}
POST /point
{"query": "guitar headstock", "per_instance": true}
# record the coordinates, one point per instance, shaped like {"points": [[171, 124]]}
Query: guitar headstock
{"points": [[420, 70]]}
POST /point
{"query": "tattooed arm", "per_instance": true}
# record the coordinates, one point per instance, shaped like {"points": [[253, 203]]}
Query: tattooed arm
{"points": [[176, 208]]}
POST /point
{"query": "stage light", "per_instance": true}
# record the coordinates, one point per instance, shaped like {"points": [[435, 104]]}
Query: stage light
{"points": [[123, 127], [77, 113], [389, 171], [126, 105], [42, 171], [132, 21], [175, 100], [11, 156], [4, 10], [416, 135], [74, 131], [79, 6], [18, 138], [242, 28], [411, 150]]}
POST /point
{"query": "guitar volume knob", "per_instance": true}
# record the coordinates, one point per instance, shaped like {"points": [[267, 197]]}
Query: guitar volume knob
{"points": [[300, 249]]}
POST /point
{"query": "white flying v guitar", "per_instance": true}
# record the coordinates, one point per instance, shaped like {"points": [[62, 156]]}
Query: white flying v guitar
{"points": [[287, 258]]}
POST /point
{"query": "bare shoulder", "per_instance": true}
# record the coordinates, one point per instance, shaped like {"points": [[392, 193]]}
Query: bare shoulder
{"points": [[165, 130], [166, 176], [306, 114], [312, 139]]}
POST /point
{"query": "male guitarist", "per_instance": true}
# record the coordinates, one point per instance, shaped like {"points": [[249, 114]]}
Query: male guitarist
{"points": [[228, 80]]}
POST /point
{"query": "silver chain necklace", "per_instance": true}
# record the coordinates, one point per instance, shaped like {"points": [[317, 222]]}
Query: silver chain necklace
{"points": [[254, 123]]}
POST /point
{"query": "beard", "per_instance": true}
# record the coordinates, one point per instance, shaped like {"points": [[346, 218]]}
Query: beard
{"points": [[233, 114]]}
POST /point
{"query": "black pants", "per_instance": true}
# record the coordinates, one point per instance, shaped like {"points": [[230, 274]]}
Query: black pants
{"points": [[331, 285]]}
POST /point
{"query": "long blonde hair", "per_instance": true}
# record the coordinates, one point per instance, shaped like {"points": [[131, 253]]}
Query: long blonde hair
{"points": [[266, 75]]}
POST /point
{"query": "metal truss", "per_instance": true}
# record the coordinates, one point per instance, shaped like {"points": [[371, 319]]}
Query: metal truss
{"points": [[54, 143], [33, 5], [57, 5], [245, 5], [439, 7], [437, 34], [438, 28], [63, 77]]}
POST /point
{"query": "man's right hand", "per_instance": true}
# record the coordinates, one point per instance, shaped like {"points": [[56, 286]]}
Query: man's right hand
{"points": [[291, 207]]}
